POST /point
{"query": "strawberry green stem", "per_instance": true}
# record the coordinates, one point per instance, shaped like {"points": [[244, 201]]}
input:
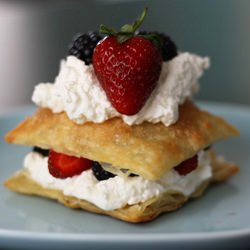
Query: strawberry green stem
{"points": [[127, 31]]}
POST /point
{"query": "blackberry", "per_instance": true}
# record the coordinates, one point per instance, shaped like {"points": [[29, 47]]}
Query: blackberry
{"points": [[168, 49], [83, 46], [99, 173], [41, 151]]}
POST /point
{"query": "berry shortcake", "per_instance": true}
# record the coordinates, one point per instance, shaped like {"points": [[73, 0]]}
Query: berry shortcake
{"points": [[117, 133]]}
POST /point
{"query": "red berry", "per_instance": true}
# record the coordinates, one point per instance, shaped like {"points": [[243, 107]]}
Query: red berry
{"points": [[187, 166], [63, 166], [128, 71]]}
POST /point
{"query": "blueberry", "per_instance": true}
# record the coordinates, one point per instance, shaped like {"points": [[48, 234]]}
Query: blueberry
{"points": [[41, 151], [99, 173]]}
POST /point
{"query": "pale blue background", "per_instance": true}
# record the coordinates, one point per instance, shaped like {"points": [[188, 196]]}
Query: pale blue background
{"points": [[217, 28]]}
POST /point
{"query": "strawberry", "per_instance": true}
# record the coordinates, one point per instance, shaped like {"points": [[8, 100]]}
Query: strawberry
{"points": [[127, 67], [63, 166], [187, 166]]}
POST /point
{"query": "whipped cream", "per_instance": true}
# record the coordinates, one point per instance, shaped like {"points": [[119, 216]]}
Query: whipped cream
{"points": [[78, 92], [119, 191]]}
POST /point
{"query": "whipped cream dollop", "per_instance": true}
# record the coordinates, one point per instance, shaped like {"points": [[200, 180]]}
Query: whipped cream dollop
{"points": [[78, 92], [119, 191]]}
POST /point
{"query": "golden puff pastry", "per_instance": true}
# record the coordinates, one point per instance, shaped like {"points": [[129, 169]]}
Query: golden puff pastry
{"points": [[146, 211], [147, 149]]}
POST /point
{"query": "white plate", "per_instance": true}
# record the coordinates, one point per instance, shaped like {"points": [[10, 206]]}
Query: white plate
{"points": [[220, 219]]}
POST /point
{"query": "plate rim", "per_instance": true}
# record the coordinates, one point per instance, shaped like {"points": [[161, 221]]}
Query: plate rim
{"points": [[164, 237]]}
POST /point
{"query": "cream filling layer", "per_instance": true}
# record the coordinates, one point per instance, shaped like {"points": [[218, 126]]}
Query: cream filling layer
{"points": [[119, 191]]}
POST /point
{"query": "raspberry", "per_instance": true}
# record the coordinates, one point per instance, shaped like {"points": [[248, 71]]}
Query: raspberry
{"points": [[83, 46]]}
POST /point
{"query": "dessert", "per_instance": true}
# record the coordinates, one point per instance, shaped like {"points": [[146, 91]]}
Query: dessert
{"points": [[118, 133]]}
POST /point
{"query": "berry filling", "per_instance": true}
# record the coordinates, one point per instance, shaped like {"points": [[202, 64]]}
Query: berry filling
{"points": [[187, 166], [63, 166], [41, 151], [99, 173]]}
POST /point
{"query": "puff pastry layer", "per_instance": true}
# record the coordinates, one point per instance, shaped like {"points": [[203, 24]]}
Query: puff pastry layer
{"points": [[146, 149], [146, 211]]}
